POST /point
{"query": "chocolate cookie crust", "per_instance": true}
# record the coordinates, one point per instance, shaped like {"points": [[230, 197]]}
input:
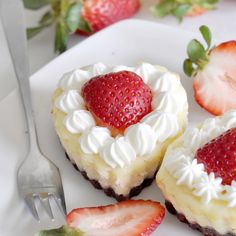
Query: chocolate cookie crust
{"points": [[110, 192], [204, 230]]}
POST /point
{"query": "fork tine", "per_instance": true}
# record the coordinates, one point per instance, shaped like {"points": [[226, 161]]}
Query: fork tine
{"points": [[60, 201], [46, 205], [30, 202]]}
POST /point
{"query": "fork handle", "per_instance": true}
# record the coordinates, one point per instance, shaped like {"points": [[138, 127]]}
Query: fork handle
{"points": [[12, 15]]}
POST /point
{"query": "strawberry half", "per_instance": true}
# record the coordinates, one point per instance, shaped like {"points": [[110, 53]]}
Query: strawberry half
{"points": [[117, 100], [214, 73], [219, 156], [101, 13], [131, 218]]}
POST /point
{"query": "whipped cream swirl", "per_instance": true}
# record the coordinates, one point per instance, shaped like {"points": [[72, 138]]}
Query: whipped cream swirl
{"points": [[148, 72], [77, 78], [118, 153], [70, 101], [74, 80], [78, 121], [165, 125], [187, 171], [142, 138], [166, 82], [208, 187], [92, 140], [194, 138], [169, 101]]}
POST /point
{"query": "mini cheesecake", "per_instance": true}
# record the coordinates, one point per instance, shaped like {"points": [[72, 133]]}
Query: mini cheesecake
{"points": [[119, 157], [198, 176]]}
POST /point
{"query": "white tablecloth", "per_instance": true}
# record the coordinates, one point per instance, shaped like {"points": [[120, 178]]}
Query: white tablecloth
{"points": [[222, 22]]}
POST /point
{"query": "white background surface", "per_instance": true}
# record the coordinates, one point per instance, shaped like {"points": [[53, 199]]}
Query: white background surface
{"points": [[222, 22], [14, 216]]}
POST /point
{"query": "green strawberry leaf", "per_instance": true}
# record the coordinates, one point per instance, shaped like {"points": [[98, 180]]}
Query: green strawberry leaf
{"points": [[73, 17], [180, 11], [84, 26], [46, 18], [35, 4], [62, 231], [164, 8], [206, 34], [31, 32], [65, 5], [196, 51], [197, 54], [188, 67], [61, 37], [45, 21]]}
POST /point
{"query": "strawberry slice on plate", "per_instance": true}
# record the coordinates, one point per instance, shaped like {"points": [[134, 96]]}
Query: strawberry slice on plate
{"points": [[219, 156], [117, 100], [131, 218], [214, 73]]}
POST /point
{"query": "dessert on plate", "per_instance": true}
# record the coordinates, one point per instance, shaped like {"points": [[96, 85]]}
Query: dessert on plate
{"points": [[115, 123], [198, 176]]}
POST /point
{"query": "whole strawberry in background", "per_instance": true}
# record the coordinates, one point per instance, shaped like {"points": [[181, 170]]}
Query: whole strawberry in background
{"points": [[101, 13], [81, 16], [214, 73], [182, 8]]}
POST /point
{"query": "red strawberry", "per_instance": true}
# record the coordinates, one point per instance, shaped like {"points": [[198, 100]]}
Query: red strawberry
{"points": [[101, 13], [131, 218], [117, 100], [219, 156], [214, 73]]}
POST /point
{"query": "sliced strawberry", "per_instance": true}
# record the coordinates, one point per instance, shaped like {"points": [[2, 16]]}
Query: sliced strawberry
{"points": [[101, 13], [214, 72], [117, 100], [131, 218], [219, 156], [215, 85]]}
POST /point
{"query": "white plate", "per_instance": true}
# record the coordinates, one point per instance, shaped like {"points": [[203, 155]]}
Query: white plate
{"points": [[125, 43]]}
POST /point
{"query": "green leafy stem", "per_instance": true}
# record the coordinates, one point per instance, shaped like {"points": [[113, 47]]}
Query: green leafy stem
{"points": [[198, 55], [65, 14]]}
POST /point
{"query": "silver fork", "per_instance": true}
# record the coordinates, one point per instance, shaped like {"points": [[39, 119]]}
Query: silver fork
{"points": [[38, 178]]}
